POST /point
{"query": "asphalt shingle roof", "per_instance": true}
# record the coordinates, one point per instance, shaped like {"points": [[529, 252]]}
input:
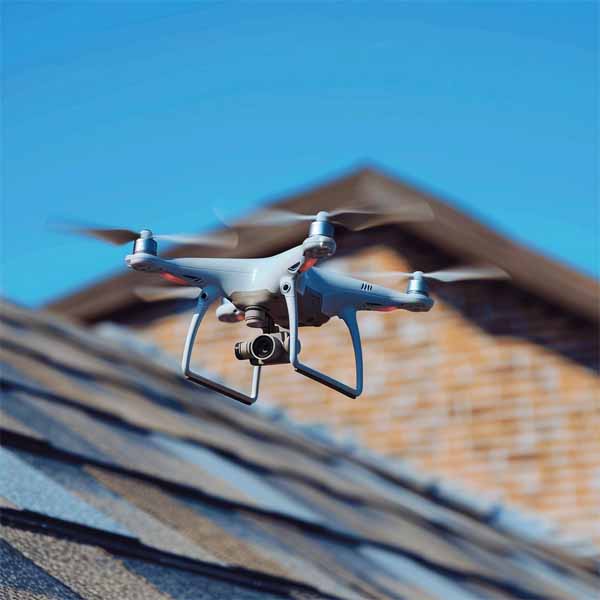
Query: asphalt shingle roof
{"points": [[118, 479]]}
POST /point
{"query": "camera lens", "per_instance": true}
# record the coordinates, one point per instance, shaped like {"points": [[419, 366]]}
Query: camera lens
{"points": [[263, 347]]}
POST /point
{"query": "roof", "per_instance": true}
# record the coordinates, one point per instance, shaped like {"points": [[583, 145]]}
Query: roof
{"points": [[452, 231], [122, 480]]}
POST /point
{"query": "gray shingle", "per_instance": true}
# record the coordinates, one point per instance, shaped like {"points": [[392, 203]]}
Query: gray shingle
{"points": [[251, 484], [89, 571], [181, 585], [30, 489], [20, 579]]}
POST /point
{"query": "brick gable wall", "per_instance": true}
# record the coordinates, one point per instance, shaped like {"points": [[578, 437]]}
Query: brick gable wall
{"points": [[493, 388]]}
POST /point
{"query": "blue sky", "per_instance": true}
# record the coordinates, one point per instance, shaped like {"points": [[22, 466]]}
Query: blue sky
{"points": [[147, 114]]}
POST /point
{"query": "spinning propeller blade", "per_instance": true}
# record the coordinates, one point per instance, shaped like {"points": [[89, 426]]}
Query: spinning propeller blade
{"points": [[117, 236], [110, 235], [222, 239], [275, 216], [159, 293], [446, 275], [381, 275], [468, 273], [358, 219], [355, 218]]}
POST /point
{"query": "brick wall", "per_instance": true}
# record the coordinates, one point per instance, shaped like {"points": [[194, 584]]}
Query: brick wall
{"points": [[493, 388]]}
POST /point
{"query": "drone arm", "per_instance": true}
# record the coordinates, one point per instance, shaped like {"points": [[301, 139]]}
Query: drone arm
{"points": [[208, 296], [288, 288]]}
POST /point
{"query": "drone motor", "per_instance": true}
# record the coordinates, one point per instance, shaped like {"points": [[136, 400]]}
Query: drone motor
{"points": [[417, 284], [145, 244], [320, 242]]}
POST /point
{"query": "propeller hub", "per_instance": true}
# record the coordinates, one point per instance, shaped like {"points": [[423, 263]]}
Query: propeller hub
{"points": [[324, 228], [145, 244], [417, 284]]}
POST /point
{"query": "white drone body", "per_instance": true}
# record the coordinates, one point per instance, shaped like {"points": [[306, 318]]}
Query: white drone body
{"points": [[278, 294]]}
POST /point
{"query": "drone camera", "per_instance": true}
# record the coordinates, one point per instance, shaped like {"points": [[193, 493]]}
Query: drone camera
{"points": [[265, 349]]}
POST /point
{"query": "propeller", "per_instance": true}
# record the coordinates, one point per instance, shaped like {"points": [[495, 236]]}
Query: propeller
{"points": [[355, 218], [160, 293], [446, 275], [117, 236]]}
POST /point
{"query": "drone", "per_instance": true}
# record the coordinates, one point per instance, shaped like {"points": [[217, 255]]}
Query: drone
{"points": [[280, 294]]}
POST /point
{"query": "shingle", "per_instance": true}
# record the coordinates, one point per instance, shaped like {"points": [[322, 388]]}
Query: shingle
{"points": [[30, 489], [21, 579], [424, 579], [252, 485], [431, 509], [559, 582], [60, 369], [411, 535], [189, 522], [134, 450], [284, 456], [58, 340], [88, 358], [254, 425], [89, 571], [138, 523], [507, 567], [273, 543], [182, 585], [60, 349], [324, 554], [46, 426], [11, 423], [41, 371]]}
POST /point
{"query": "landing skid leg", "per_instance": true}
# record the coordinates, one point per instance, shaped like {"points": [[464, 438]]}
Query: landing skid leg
{"points": [[288, 289], [208, 296]]}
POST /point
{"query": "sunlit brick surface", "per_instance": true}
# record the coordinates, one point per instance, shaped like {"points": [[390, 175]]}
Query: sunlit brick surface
{"points": [[492, 388]]}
